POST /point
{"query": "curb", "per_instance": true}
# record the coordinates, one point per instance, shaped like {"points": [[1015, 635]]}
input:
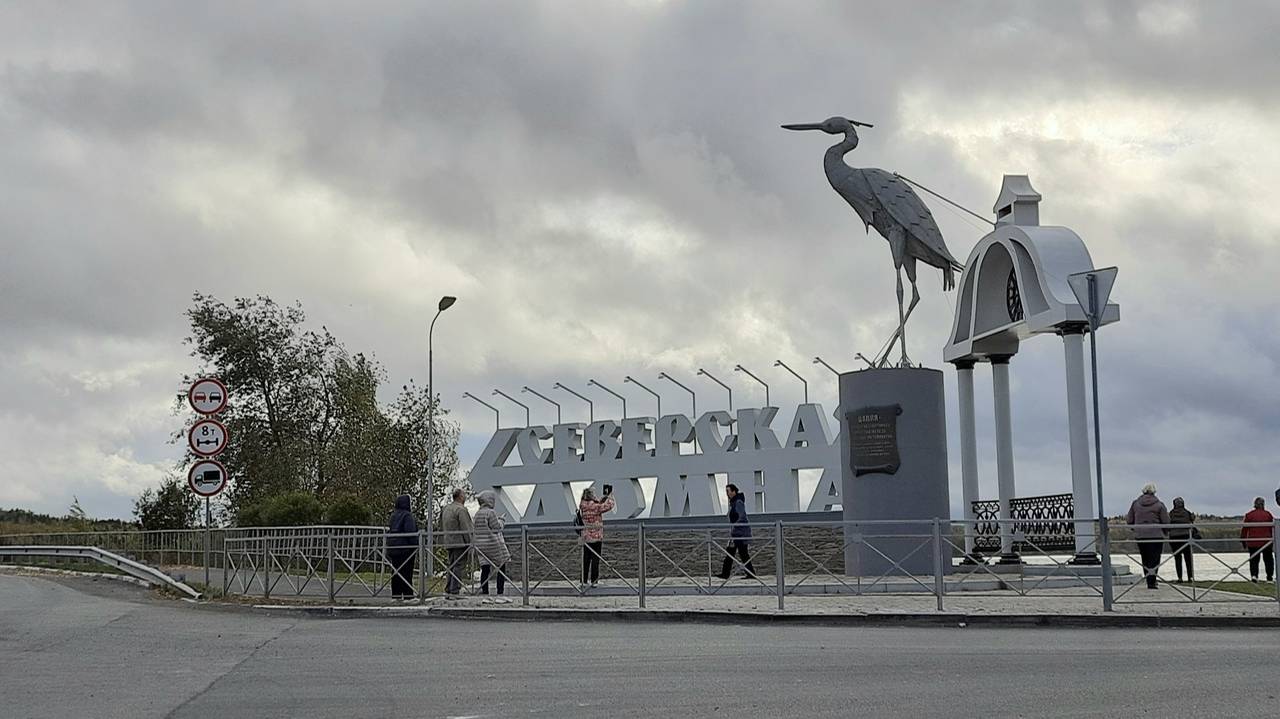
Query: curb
{"points": [[877, 619], [20, 569]]}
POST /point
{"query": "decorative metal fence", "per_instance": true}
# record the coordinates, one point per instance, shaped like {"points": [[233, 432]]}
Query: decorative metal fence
{"points": [[1046, 523]]}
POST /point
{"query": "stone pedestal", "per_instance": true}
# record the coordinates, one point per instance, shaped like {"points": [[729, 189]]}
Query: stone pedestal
{"points": [[894, 467]]}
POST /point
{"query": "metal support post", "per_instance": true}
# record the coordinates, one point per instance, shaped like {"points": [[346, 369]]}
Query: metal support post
{"points": [[939, 585], [524, 564], [208, 542], [779, 563], [709, 556], [1275, 552], [328, 575], [643, 568], [423, 574], [266, 568]]}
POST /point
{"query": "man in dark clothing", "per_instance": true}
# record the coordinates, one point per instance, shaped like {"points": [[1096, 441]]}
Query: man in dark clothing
{"points": [[739, 535], [402, 546]]}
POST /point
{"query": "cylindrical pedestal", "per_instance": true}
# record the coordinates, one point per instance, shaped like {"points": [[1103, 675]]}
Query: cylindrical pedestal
{"points": [[894, 467]]}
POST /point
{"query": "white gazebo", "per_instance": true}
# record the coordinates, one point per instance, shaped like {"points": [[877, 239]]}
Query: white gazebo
{"points": [[1014, 287]]}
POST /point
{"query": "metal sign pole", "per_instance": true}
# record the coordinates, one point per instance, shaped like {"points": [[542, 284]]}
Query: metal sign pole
{"points": [[208, 543], [1104, 530]]}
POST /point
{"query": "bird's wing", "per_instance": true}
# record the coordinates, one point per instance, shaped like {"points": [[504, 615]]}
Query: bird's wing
{"points": [[906, 207]]}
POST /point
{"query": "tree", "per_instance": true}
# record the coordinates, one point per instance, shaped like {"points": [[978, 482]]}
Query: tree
{"points": [[304, 414], [172, 506]]}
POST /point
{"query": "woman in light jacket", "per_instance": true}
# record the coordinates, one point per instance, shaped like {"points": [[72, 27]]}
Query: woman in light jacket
{"points": [[488, 543], [592, 512]]}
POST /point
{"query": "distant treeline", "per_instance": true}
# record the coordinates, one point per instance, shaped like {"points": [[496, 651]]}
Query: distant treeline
{"points": [[22, 521]]}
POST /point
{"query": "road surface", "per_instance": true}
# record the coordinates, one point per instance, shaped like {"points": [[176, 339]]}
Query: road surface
{"points": [[78, 648]]}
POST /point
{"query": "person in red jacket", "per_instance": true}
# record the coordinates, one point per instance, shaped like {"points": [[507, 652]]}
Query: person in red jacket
{"points": [[1257, 539]]}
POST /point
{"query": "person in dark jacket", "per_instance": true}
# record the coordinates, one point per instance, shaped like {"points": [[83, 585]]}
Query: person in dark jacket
{"points": [[1180, 537], [1257, 539], [402, 545], [739, 534], [1146, 514]]}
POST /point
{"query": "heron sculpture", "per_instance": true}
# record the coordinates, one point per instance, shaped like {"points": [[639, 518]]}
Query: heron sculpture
{"points": [[886, 202]]}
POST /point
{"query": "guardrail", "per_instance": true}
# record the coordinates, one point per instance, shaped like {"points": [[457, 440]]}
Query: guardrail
{"points": [[147, 574], [788, 559]]}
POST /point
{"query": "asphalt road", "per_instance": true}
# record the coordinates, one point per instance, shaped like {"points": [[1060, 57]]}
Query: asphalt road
{"points": [[77, 648]]}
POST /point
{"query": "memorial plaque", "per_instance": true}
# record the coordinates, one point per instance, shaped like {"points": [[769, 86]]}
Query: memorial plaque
{"points": [[873, 435]]}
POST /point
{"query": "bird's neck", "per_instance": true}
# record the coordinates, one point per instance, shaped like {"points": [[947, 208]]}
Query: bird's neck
{"points": [[835, 153]]}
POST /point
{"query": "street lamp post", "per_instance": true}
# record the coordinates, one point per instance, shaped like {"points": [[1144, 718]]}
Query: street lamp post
{"points": [[819, 360], [615, 394], [715, 379], [513, 400], [747, 372], [497, 415], [445, 303], [656, 396], [783, 365], [692, 396], [544, 398], [591, 407]]}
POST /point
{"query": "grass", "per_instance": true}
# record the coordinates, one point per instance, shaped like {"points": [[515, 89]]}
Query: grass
{"points": [[1261, 589]]}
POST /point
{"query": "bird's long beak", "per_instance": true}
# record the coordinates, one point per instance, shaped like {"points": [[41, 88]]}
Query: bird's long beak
{"points": [[861, 124], [804, 126]]}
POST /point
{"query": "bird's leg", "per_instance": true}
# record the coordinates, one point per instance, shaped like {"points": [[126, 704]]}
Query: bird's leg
{"points": [[910, 267], [902, 321]]}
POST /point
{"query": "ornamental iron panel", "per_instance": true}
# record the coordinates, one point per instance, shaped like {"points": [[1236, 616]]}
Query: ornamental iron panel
{"points": [[1040, 524]]}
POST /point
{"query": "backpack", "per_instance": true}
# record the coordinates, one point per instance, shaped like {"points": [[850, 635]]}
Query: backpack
{"points": [[577, 522]]}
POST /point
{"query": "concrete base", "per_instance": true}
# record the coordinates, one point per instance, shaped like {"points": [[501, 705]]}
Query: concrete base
{"points": [[917, 489]]}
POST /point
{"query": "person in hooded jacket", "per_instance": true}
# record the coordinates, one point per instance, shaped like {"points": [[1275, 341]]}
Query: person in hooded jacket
{"points": [[1180, 537], [1148, 510], [739, 534], [488, 543], [402, 548]]}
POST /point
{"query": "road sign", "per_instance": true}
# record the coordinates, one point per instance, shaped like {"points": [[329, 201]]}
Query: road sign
{"points": [[1092, 290], [207, 478], [207, 396], [207, 437]]}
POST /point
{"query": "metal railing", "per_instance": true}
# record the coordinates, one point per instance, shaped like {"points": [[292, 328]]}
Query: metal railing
{"points": [[819, 558]]}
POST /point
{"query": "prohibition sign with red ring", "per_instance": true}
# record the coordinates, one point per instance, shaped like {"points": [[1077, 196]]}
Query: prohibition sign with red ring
{"points": [[207, 395], [207, 437], [207, 478]]}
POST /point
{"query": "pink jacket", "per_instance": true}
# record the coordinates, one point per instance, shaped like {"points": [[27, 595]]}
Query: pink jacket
{"points": [[593, 518]]}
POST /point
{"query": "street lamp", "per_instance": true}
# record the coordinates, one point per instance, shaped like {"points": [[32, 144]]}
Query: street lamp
{"points": [[819, 360], [783, 365], [544, 398], [513, 400], [591, 407], [747, 372], [615, 394], [692, 396], [656, 396], [497, 416], [445, 303], [715, 379]]}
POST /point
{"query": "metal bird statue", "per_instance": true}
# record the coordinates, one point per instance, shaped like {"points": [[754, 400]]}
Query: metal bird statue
{"points": [[884, 201]]}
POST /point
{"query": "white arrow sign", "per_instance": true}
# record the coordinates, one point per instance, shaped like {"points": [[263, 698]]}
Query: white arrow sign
{"points": [[207, 478], [207, 437]]}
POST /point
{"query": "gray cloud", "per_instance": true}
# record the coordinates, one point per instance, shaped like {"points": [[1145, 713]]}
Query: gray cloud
{"points": [[607, 190]]}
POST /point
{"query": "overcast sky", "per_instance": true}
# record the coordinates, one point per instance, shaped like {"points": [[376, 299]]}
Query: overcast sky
{"points": [[605, 188]]}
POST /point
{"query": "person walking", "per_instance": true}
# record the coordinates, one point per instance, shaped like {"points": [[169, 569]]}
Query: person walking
{"points": [[455, 521], [592, 512], [739, 534], [402, 544], [489, 544], [1257, 540], [1145, 515], [1180, 537]]}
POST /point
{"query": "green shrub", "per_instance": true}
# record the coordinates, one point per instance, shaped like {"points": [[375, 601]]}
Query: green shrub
{"points": [[347, 510], [292, 509]]}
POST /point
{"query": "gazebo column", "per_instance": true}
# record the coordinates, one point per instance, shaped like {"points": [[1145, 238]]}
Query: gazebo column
{"points": [[1004, 454], [968, 451], [1078, 427]]}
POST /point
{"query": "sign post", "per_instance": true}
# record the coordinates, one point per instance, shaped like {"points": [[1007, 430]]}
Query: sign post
{"points": [[207, 438], [1092, 290]]}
